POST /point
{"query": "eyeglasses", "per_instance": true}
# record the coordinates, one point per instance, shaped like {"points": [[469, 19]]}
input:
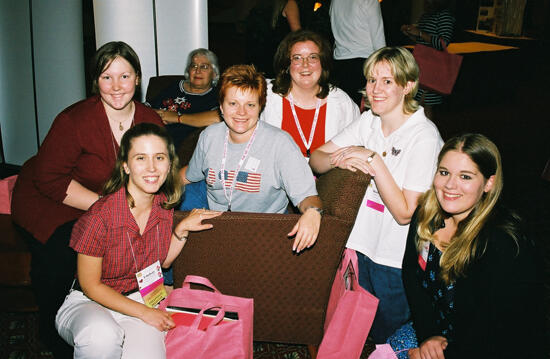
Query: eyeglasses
{"points": [[203, 67], [299, 59]]}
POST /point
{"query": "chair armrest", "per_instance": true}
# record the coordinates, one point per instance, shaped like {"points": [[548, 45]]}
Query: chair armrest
{"points": [[342, 192]]}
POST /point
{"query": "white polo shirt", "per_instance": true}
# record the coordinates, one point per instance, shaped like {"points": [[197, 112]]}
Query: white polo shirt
{"points": [[411, 157]]}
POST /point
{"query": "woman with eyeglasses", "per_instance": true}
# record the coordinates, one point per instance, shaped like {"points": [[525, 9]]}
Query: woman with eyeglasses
{"points": [[300, 100], [192, 102]]}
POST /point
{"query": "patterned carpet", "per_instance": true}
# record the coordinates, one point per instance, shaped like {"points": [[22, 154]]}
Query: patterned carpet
{"points": [[19, 340], [18, 333]]}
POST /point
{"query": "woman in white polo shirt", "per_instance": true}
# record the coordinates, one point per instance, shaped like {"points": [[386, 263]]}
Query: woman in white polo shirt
{"points": [[398, 146]]}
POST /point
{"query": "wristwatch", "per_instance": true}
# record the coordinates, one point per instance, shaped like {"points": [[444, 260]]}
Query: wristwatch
{"points": [[371, 157], [320, 210]]}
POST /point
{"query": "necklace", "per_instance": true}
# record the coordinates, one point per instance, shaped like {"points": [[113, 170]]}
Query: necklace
{"points": [[308, 143], [121, 128]]}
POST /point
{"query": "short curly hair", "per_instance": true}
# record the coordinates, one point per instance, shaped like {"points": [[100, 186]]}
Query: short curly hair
{"points": [[244, 77]]}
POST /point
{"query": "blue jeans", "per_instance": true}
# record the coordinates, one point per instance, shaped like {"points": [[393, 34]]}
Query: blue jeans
{"points": [[403, 340], [386, 284], [193, 197]]}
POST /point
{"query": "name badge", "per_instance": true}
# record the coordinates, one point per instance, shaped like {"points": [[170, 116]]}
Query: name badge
{"points": [[374, 200], [423, 255], [151, 285], [252, 164]]}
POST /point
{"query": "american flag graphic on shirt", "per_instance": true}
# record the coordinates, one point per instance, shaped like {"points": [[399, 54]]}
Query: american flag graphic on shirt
{"points": [[246, 182]]}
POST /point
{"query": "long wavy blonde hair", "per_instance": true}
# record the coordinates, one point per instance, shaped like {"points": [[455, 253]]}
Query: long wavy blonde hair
{"points": [[464, 245]]}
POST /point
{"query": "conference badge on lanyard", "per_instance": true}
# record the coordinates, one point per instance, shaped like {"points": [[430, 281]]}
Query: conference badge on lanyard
{"points": [[151, 285], [423, 255]]}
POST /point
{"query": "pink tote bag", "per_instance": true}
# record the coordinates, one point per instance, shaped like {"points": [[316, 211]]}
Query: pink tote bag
{"points": [[438, 69], [6, 190], [383, 351], [222, 337], [350, 313]]}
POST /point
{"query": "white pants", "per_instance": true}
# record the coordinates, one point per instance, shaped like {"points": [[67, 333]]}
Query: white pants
{"points": [[97, 332]]}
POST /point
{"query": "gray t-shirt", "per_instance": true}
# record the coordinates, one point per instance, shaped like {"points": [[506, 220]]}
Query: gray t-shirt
{"points": [[273, 169]]}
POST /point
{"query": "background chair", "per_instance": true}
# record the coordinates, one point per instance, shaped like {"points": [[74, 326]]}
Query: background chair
{"points": [[157, 84], [249, 255]]}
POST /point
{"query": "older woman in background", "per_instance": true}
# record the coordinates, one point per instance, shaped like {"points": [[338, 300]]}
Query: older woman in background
{"points": [[65, 178], [300, 100], [191, 102]]}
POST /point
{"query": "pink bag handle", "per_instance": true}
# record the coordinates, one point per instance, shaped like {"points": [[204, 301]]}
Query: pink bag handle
{"points": [[349, 260], [217, 319], [198, 280]]}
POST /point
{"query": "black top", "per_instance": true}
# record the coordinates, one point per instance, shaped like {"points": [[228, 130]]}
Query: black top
{"points": [[441, 294], [498, 306]]}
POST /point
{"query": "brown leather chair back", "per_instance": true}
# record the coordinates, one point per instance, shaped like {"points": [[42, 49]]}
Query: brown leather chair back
{"points": [[250, 255]]}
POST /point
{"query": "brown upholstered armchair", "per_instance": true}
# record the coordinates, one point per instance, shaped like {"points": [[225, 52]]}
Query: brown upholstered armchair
{"points": [[249, 255]]}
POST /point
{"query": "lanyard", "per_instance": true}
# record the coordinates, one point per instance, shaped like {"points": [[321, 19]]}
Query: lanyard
{"points": [[243, 157], [132, 247], [307, 144]]}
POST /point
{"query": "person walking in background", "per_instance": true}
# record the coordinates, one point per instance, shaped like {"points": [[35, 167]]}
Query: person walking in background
{"points": [[436, 24], [267, 24], [358, 31]]}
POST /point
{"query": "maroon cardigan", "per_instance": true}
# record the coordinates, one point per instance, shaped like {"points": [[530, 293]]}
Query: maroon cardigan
{"points": [[79, 146]]}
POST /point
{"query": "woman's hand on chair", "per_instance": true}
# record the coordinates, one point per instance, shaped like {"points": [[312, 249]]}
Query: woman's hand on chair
{"points": [[306, 230], [352, 158], [193, 222]]}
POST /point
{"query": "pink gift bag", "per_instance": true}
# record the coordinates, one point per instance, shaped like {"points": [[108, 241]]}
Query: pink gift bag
{"points": [[350, 313], [383, 351], [6, 190], [225, 333]]}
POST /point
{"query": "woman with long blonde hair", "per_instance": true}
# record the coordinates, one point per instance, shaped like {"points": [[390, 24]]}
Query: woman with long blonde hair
{"points": [[469, 271]]}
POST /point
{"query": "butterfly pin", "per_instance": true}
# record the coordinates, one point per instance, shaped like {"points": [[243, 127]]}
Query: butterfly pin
{"points": [[395, 151]]}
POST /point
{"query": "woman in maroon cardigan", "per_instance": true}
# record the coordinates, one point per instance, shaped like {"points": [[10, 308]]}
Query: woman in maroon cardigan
{"points": [[65, 178]]}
